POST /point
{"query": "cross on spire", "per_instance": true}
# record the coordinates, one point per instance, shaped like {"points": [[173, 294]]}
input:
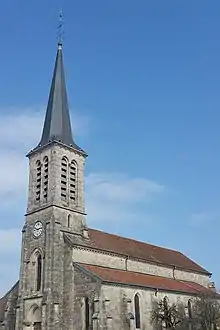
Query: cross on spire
{"points": [[60, 31], [57, 125]]}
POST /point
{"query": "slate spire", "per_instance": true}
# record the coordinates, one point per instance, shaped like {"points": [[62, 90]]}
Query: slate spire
{"points": [[57, 125]]}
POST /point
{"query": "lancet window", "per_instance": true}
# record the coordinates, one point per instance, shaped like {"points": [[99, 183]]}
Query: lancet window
{"points": [[87, 313], [137, 311], [38, 272]]}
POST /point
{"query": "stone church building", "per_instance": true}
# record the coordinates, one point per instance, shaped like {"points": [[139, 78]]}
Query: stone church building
{"points": [[77, 278]]}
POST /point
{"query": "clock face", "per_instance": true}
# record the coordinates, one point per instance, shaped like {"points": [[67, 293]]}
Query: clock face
{"points": [[37, 230]]}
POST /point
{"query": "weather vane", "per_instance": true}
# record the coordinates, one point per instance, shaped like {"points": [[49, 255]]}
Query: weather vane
{"points": [[60, 31]]}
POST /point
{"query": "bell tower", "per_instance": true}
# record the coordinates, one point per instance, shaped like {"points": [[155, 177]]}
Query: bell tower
{"points": [[56, 176], [55, 205]]}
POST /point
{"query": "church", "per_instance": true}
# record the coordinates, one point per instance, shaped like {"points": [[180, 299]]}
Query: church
{"points": [[77, 278]]}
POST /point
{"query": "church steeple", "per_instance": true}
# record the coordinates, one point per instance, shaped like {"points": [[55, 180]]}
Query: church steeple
{"points": [[57, 125], [57, 163], [55, 205]]}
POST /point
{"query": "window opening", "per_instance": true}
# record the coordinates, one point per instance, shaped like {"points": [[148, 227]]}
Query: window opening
{"points": [[38, 185], [39, 272], [137, 311]]}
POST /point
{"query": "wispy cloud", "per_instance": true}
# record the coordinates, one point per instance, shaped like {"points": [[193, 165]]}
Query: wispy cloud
{"points": [[10, 242], [204, 218], [116, 197], [20, 129], [109, 196]]}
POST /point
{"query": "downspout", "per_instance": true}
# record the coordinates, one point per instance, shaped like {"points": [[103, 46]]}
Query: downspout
{"points": [[174, 267]]}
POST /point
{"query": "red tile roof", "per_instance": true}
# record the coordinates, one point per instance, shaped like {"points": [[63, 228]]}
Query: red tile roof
{"points": [[136, 249], [144, 280]]}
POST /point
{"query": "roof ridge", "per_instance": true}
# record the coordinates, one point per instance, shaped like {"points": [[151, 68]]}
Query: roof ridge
{"points": [[135, 240]]}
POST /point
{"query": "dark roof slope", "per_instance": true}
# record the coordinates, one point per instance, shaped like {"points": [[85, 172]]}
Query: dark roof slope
{"points": [[144, 280], [136, 249]]}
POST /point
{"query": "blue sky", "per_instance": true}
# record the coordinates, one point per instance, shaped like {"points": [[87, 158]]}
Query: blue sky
{"points": [[143, 87]]}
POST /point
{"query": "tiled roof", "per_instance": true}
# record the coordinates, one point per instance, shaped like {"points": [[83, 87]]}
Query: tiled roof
{"points": [[144, 251], [144, 280]]}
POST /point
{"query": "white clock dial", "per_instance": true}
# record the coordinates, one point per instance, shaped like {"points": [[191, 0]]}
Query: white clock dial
{"points": [[37, 230]]}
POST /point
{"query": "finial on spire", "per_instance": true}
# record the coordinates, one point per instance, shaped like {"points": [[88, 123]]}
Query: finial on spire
{"points": [[60, 31]]}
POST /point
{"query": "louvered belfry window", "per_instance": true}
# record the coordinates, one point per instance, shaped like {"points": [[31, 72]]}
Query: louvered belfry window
{"points": [[72, 182], [38, 180], [45, 179], [64, 177]]}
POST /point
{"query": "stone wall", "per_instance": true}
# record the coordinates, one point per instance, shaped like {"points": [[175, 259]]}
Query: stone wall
{"points": [[85, 286], [120, 262], [120, 306], [9, 312]]}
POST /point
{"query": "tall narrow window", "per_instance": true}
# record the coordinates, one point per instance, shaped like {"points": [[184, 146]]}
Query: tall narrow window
{"points": [[45, 178], [190, 309], [69, 221], [137, 311], [190, 316], [39, 272], [87, 314], [73, 174], [64, 167], [38, 180]]}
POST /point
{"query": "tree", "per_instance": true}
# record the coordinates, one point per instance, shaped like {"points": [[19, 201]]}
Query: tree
{"points": [[170, 316], [206, 313]]}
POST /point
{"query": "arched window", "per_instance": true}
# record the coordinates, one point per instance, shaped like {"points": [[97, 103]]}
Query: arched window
{"points": [[34, 271], [39, 272], [73, 178], [64, 178], [87, 313], [68, 220], [190, 309], [38, 180], [137, 311], [45, 177]]}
